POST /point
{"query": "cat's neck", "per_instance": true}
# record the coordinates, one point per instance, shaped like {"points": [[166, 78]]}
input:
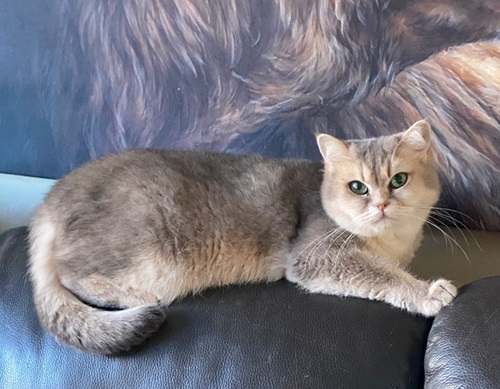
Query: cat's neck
{"points": [[398, 245]]}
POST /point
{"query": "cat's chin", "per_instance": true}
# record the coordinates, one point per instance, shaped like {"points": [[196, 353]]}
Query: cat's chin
{"points": [[380, 227], [379, 231]]}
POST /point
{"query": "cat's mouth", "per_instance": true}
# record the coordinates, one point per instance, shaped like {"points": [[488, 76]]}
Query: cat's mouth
{"points": [[382, 218]]}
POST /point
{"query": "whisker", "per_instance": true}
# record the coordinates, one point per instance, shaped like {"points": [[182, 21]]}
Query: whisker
{"points": [[335, 236], [356, 218], [443, 212], [345, 243], [451, 210], [317, 241], [432, 232], [338, 232], [436, 220], [314, 241], [452, 239], [445, 235], [331, 244], [458, 224]]}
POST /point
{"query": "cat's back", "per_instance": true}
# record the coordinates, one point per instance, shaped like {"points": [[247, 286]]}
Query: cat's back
{"points": [[138, 169], [134, 183]]}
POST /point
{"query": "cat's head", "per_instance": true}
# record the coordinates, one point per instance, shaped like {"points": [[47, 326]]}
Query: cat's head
{"points": [[380, 185]]}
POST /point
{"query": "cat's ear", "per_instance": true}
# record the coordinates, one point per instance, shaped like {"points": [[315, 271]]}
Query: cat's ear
{"points": [[331, 147], [418, 137]]}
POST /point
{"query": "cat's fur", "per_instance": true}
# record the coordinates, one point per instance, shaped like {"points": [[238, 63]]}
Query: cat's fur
{"points": [[139, 229]]}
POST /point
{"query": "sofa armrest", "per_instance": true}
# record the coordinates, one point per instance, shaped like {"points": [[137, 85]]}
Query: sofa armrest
{"points": [[464, 342], [19, 198]]}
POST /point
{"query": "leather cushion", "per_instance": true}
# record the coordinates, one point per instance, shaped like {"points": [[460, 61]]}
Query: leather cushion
{"points": [[255, 336], [464, 342]]}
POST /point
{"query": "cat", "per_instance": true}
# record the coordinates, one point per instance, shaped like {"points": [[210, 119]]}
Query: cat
{"points": [[138, 229]]}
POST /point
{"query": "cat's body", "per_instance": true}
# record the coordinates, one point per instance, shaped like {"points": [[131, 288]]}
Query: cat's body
{"points": [[139, 229], [219, 219]]}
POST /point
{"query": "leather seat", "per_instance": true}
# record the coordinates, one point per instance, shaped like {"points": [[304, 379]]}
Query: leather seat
{"points": [[255, 336]]}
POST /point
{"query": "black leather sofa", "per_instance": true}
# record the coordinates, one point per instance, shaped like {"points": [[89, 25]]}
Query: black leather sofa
{"points": [[261, 336]]}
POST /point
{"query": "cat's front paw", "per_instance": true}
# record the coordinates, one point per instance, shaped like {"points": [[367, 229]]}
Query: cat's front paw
{"points": [[440, 293]]}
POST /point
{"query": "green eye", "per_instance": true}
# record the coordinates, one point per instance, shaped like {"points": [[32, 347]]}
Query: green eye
{"points": [[398, 180], [357, 187]]}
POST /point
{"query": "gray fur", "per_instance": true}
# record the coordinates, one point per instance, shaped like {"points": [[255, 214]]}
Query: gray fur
{"points": [[139, 229]]}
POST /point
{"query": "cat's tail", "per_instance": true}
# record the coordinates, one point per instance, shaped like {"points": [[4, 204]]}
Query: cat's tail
{"points": [[75, 323]]}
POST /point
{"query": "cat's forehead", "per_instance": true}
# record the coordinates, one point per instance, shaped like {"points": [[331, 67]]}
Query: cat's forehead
{"points": [[374, 153], [375, 159]]}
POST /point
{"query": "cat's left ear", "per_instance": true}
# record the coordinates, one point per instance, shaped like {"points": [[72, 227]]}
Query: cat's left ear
{"points": [[417, 138], [331, 147]]}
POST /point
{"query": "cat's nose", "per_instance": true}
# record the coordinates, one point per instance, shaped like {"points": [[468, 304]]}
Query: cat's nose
{"points": [[382, 206]]}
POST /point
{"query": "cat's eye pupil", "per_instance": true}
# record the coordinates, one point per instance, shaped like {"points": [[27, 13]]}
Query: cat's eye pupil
{"points": [[398, 180], [358, 187]]}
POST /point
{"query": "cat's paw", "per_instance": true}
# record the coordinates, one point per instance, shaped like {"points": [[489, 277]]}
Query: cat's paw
{"points": [[440, 293]]}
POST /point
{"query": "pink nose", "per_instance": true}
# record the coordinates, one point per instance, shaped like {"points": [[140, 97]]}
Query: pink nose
{"points": [[382, 206]]}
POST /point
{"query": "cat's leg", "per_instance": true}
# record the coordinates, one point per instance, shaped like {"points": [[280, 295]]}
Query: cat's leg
{"points": [[104, 292], [372, 278]]}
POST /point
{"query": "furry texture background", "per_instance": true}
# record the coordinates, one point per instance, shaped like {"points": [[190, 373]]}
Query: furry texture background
{"points": [[262, 76]]}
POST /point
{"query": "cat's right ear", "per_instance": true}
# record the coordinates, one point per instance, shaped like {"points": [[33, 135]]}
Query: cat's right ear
{"points": [[418, 136], [331, 148]]}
